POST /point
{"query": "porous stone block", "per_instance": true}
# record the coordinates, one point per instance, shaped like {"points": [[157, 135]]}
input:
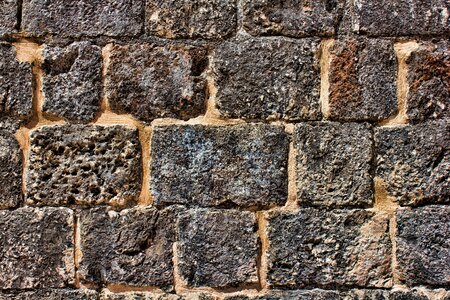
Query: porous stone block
{"points": [[238, 165], [76, 18], [72, 83], [10, 171], [204, 19], [37, 248], [83, 164], [131, 247], [414, 162], [268, 79], [149, 81], [107, 295], [315, 294], [319, 248], [8, 21], [217, 248], [333, 163], [362, 80], [81, 294], [423, 245]]}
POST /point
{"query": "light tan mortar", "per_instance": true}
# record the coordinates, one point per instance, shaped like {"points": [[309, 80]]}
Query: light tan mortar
{"points": [[121, 288], [262, 257], [292, 201], [325, 62]]}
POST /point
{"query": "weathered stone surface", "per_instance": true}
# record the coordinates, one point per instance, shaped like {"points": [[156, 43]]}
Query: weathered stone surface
{"points": [[150, 81], [82, 294], [8, 20], [238, 165], [429, 82], [423, 245], [399, 18], [315, 294], [37, 248], [72, 82], [83, 164], [10, 171], [217, 248], [328, 248], [362, 80], [385, 295], [132, 247], [207, 19], [268, 79], [82, 17], [292, 18], [107, 295], [414, 162], [333, 164]]}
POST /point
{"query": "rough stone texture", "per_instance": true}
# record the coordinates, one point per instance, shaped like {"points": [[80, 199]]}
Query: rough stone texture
{"points": [[132, 247], [207, 19], [72, 82], [292, 18], [333, 164], [107, 295], [237, 165], [414, 162], [429, 82], [328, 248], [217, 248], [83, 294], [399, 18], [315, 294], [10, 171], [268, 79], [83, 164], [8, 20], [149, 81], [362, 80], [423, 245], [77, 18], [37, 248]]}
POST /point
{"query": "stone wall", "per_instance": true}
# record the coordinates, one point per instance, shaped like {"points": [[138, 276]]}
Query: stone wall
{"points": [[224, 149]]}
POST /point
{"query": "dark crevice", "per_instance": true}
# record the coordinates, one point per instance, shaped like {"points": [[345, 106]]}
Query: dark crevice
{"points": [[19, 15]]}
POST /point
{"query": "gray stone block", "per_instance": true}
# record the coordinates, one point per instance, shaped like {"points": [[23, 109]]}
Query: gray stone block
{"points": [[8, 21], [10, 171], [82, 294]]}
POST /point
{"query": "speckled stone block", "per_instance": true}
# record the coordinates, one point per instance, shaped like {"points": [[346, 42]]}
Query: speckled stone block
{"points": [[83, 164], [37, 248], [149, 81], [217, 248], [315, 294], [107, 295], [72, 83], [10, 171], [271, 78], [319, 248], [8, 20], [204, 19], [228, 166], [414, 162], [333, 163], [82, 294]]}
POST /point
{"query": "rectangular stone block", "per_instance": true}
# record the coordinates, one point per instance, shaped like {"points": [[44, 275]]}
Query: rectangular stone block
{"points": [[82, 294], [149, 81], [333, 164], [204, 19], [217, 248], [107, 295], [423, 245], [10, 171], [75, 18], [271, 78], [414, 162], [131, 247], [238, 165], [8, 20], [37, 248], [362, 80], [83, 164], [319, 248], [72, 82]]}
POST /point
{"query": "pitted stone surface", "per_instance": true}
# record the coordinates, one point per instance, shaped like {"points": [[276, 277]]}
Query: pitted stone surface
{"points": [[423, 245], [10, 171], [315, 294], [414, 162], [205, 19], [37, 248], [362, 80], [132, 247], [107, 295], [149, 81], [268, 79], [333, 163], [72, 82], [321, 248], [8, 20], [75, 18], [217, 248], [82, 294], [237, 165], [83, 164]]}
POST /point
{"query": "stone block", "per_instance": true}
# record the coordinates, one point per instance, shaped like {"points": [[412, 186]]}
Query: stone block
{"points": [[82, 294], [8, 22], [10, 171]]}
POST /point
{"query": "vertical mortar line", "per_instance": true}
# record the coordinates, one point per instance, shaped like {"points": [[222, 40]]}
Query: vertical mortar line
{"points": [[292, 201], [211, 108], [325, 62], [393, 235], [262, 253], [145, 137], [178, 284], [77, 254]]}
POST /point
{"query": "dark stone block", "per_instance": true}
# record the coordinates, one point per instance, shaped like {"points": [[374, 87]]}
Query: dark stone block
{"points": [[8, 21], [10, 170], [315, 294], [83, 294], [107, 295]]}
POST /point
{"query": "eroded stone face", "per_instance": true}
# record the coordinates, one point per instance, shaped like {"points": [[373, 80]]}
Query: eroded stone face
{"points": [[268, 79], [8, 20], [82, 294], [107, 295], [149, 81], [10, 171], [205, 19], [217, 248], [83, 164], [238, 165], [37, 248]]}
